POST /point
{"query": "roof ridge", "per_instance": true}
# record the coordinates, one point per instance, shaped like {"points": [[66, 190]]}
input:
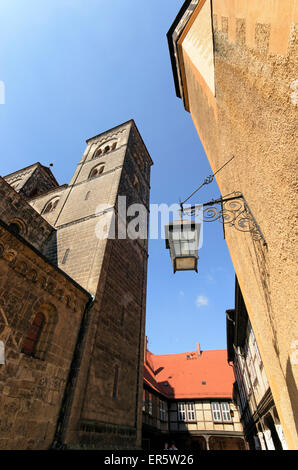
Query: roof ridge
{"points": [[188, 352]]}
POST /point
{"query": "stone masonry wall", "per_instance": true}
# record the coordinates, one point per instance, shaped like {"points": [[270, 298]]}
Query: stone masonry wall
{"points": [[107, 401], [31, 388], [14, 208]]}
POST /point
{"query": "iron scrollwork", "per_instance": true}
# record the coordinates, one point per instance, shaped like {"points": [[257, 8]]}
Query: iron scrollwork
{"points": [[231, 211]]}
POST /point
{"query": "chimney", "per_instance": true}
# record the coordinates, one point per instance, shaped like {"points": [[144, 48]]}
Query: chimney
{"points": [[199, 349]]}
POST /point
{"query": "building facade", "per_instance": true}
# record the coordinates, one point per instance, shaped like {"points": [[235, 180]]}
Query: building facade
{"points": [[72, 300], [235, 68], [187, 399], [259, 416]]}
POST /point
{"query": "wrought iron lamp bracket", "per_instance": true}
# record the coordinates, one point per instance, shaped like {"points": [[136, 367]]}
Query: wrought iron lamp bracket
{"points": [[232, 211]]}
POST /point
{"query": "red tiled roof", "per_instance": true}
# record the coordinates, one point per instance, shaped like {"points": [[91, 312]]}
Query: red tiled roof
{"points": [[182, 375]]}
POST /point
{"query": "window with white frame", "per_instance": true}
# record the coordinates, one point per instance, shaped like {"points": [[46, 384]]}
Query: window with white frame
{"points": [[254, 342], [246, 381], [239, 378], [186, 411], [216, 411], [190, 411], [225, 410], [258, 354], [181, 412], [162, 410], [221, 412], [256, 349]]}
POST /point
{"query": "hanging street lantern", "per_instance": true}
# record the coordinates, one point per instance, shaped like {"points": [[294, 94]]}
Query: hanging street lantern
{"points": [[183, 236], [182, 239]]}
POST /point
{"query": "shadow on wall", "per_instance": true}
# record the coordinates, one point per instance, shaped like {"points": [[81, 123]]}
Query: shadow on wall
{"points": [[292, 388], [50, 249]]}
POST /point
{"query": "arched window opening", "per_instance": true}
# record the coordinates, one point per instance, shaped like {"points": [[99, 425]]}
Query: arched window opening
{"points": [[96, 171], [97, 153], [66, 254], [30, 343], [87, 195], [15, 228], [104, 148], [50, 206], [40, 334], [18, 226]]}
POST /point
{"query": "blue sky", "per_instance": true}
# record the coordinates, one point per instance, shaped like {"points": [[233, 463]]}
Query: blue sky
{"points": [[75, 68]]}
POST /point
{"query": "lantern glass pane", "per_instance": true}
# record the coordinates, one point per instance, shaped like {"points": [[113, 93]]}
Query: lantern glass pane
{"points": [[183, 240], [176, 248], [184, 248]]}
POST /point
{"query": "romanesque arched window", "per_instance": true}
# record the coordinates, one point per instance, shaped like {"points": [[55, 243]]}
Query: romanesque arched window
{"points": [[105, 148], [31, 341], [51, 205], [18, 226], [97, 153], [15, 228], [40, 333], [96, 171]]}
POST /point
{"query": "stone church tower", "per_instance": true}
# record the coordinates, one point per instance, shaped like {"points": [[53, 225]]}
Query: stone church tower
{"points": [[101, 404]]}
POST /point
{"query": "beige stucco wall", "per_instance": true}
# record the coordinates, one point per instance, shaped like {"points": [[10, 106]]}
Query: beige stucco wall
{"points": [[199, 44], [279, 14], [253, 117]]}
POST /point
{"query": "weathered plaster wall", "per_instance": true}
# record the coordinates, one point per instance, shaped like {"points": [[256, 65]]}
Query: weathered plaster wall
{"points": [[253, 117]]}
